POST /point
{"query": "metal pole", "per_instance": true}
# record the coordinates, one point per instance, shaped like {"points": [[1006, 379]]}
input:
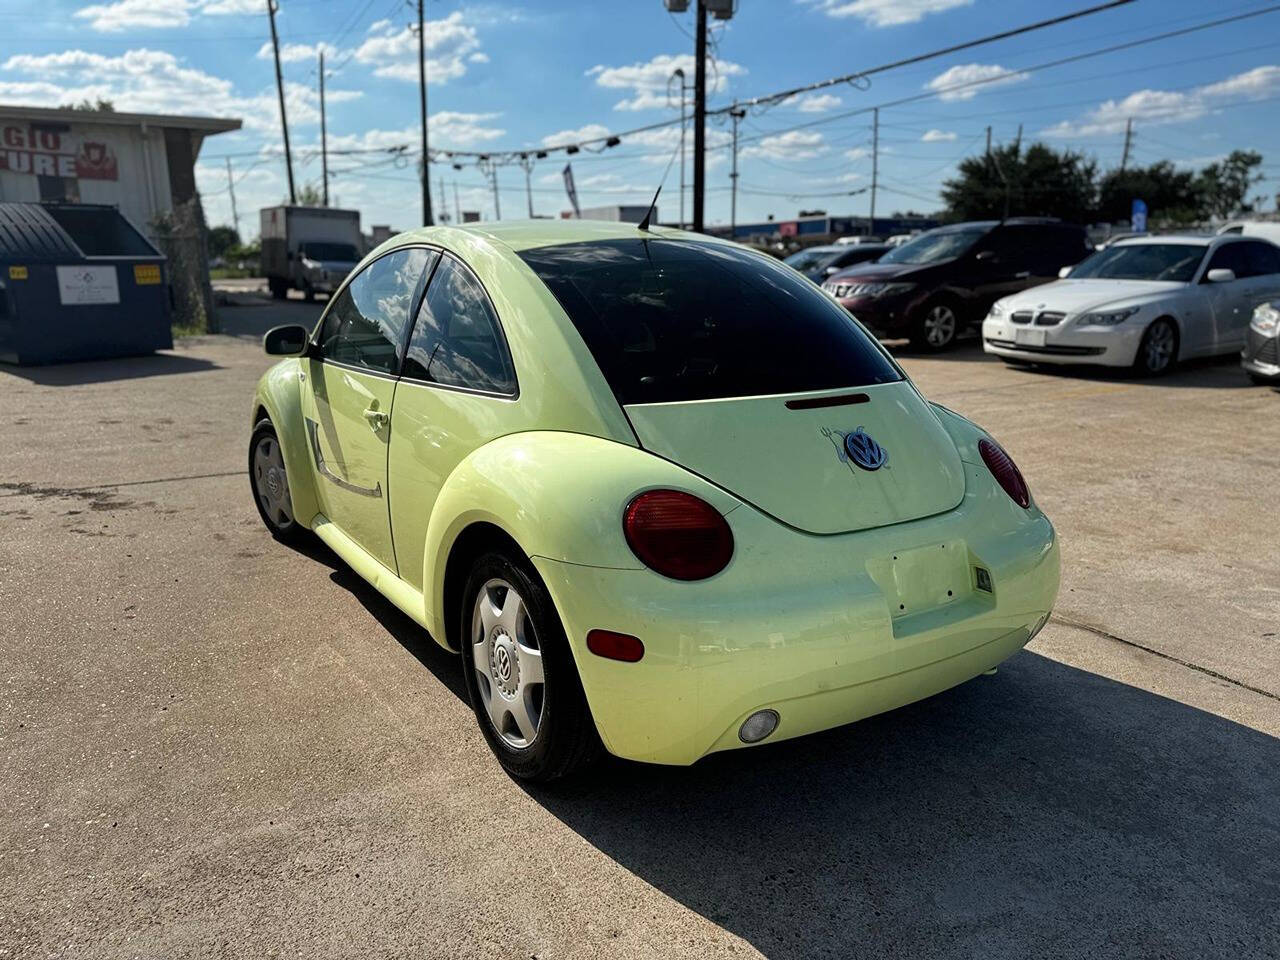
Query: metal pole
{"points": [[679, 72], [527, 165], [444, 212], [700, 118], [422, 103], [1128, 140], [736, 114], [875, 168], [284, 119], [231, 188], [324, 135], [457, 207]]}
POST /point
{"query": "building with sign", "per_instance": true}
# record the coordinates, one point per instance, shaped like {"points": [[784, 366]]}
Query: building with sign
{"points": [[142, 164]]}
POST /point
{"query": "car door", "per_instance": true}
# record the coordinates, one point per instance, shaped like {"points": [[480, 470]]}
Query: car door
{"points": [[349, 393], [1229, 302], [457, 392], [1000, 265], [1263, 285]]}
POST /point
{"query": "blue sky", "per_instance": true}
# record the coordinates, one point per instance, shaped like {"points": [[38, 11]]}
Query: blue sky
{"points": [[511, 76]]}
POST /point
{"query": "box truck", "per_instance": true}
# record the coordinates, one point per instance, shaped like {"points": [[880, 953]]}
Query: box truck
{"points": [[311, 249]]}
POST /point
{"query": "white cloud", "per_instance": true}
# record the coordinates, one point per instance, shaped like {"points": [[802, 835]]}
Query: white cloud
{"points": [[447, 129], [293, 52], [648, 81], [857, 153], [938, 136], [226, 8], [154, 81], [888, 13], [393, 51], [136, 15], [1155, 107], [591, 131], [792, 145], [819, 103], [972, 79]]}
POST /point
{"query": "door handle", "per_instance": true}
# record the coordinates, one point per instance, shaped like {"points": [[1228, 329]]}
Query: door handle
{"points": [[1023, 275], [375, 418]]}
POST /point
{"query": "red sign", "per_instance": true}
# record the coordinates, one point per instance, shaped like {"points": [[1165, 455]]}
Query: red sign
{"points": [[788, 228], [48, 153]]}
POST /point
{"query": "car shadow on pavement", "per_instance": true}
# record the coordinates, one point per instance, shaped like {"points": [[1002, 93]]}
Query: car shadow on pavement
{"points": [[1214, 372], [105, 371], [1043, 811]]}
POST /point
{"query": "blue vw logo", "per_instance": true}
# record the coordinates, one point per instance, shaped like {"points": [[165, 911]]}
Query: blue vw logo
{"points": [[864, 451]]}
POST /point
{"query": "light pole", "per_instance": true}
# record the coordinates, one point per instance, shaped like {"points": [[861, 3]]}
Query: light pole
{"points": [[737, 113], [679, 72]]}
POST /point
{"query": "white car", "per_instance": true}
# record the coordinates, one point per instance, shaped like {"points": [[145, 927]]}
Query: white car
{"points": [[1146, 303]]}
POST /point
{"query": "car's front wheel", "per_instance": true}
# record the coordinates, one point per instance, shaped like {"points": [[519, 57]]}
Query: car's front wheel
{"points": [[270, 484], [520, 674], [935, 327], [1158, 350]]}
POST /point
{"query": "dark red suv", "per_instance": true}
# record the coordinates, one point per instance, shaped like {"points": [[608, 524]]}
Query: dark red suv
{"points": [[931, 287]]}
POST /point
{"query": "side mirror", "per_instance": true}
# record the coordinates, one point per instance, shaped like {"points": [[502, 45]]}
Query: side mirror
{"points": [[829, 271], [289, 340], [1064, 273], [1220, 275]]}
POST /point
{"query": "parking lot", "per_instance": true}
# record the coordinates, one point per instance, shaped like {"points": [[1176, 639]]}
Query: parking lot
{"points": [[211, 743]]}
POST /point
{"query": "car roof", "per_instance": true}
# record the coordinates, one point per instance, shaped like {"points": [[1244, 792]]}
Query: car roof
{"points": [[1168, 238], [527, 234]]}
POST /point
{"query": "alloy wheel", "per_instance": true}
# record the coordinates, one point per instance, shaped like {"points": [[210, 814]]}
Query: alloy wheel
{"points": [[939, 325], [270, 482], [507, 659], [1158, 348]]}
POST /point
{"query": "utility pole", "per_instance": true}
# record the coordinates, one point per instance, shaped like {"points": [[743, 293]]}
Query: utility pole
{"points": [[679, 72], [1017, 143], [231, 189], [875, 168], [700, 117], [490, 170], [988, 141], [736, 113], [457, 207], [1128, 141], [284, 119], [422, 102], [444, 204], [526, 163], [324, 134]]}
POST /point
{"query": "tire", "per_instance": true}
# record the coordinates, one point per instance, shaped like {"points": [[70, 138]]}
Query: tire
{"points": [[935, 326], [270, 485], [1158, 351], [308, 294], [279, 289], [539, 729]]}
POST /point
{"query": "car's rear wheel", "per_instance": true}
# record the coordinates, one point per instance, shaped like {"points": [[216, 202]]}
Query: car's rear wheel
{"points": [[520, 674], [279, 288], [935, 327], [1158, 350], [270, 484]]}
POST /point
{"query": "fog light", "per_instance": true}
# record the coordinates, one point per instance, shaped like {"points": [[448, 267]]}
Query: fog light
{"points": [[758, 726]]}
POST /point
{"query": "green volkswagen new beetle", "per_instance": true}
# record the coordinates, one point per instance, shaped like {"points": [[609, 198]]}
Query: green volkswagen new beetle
{"points": [[662, 494]]}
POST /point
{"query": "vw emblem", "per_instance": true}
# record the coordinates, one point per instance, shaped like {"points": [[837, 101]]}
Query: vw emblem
{"points": [[503, 663], [864, 451]]}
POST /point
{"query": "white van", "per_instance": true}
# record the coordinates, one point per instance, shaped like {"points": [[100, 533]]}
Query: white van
{"points": [[1267, 229]]}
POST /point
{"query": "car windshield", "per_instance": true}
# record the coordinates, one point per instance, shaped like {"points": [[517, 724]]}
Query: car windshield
{"points": [[1142, 261], [344, 252], [811, 259], [670, 320], [936, 245]]}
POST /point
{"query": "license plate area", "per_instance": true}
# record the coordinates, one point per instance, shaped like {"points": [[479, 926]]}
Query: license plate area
{"points": [[923, 578], [1029, 337]]}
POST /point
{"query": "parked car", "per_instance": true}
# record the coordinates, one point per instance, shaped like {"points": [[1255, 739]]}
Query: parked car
{"points": [[946, 279], [559, 447], [859, 239], [1145, 302], [1261, 354], [1265, 229], [898, 239], [818, 263]]}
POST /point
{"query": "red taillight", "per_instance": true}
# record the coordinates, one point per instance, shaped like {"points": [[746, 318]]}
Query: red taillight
{"points": [[615, 646], [677, 534], [1005, 471]]}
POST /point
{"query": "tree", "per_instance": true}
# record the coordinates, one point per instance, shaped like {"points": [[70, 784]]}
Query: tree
{"points": [[1038, 181], [1224, 187], [222, 239], [101, 106], [1171, 195], [309, 196]]}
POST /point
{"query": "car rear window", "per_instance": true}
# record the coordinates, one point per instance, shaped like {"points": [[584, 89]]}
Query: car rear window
{"points": [[670, 320]]}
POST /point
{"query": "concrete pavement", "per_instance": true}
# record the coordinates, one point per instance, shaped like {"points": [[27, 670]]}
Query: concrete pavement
{"points": [[213, 745]]}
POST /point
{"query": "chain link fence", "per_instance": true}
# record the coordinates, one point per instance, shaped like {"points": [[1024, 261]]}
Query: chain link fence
{"points": [[181, 236]]}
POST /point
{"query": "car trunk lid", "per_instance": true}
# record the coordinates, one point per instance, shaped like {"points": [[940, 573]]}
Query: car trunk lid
{"points": [[788, 456]]}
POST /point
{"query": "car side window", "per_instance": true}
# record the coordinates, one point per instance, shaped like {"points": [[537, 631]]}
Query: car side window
{"points": [[365, 325], [456, 339], [1263, 258], [1231, 256]]}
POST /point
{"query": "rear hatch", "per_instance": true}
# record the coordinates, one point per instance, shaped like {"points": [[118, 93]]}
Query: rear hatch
{"points": [[793, 463]]}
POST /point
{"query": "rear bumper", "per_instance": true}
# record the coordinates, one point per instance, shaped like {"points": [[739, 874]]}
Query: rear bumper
{"points": [[824, 630], [1065, 343]]}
